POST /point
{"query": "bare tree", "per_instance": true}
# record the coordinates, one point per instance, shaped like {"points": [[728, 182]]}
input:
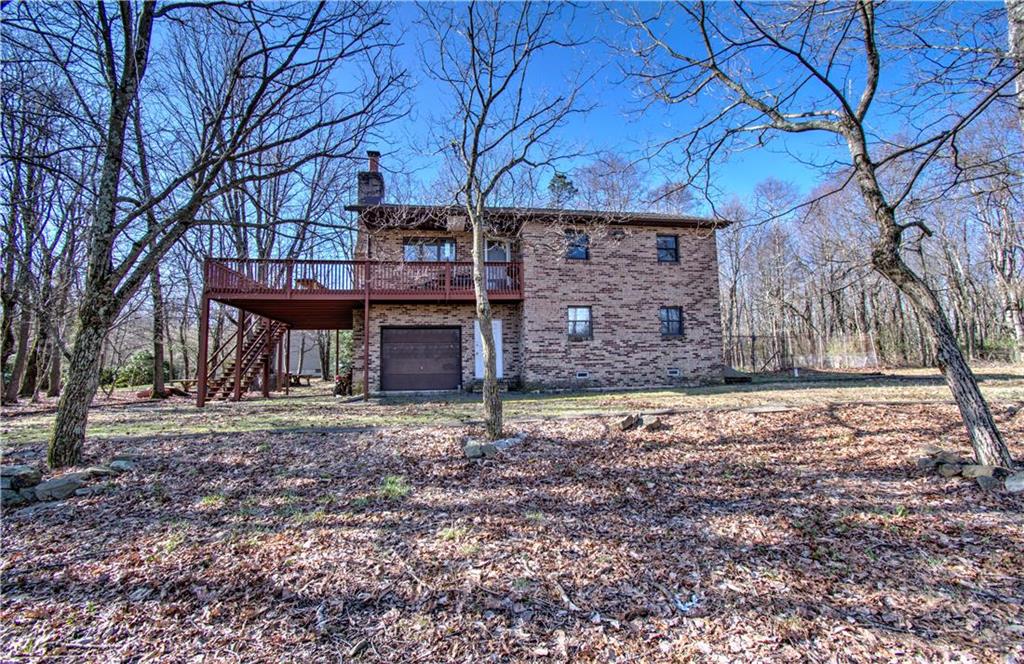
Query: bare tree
{"points": [[821, 68], [484, 54], [231, 68]]}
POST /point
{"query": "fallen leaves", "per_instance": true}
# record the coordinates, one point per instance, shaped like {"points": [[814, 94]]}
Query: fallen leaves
{"points": [[783, 536]]}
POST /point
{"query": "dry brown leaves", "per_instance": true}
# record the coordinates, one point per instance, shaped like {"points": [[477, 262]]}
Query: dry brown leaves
{"points": [[805, 535]]}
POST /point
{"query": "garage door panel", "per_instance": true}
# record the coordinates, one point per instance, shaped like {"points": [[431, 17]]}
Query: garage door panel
{"points": [[421, 359]]}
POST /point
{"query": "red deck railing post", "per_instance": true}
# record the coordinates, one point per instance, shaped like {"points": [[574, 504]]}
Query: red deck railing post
{"points": [[366, 334], [239, 340], [201, 361]]}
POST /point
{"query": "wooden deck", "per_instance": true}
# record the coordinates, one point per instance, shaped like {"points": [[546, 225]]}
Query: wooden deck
{"points": [[276, 296], [352, 279]]}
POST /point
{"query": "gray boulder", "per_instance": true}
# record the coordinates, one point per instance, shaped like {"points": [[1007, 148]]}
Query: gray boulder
{"points": [[987, 482], [17, 477], [11, 498], [99, 471], [122, 466], [926, 463], [506, 443], [474, 450], [949, 469], [976, 470], [61, 487], [1015, 483]]}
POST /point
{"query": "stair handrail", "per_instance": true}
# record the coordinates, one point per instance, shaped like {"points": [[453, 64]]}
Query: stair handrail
{"points": [[212, 372]]}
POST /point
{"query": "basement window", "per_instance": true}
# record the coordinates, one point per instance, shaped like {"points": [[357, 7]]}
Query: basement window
{"points": [[671, 321], [580, 325]]}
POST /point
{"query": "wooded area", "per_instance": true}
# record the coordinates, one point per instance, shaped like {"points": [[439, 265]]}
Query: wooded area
{"points": [[177, 131]]}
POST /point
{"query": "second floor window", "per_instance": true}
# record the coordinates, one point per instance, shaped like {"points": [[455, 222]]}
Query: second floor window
{"points": [[671, 321], [668, 248], [577, 246], [580, 325], [428, 249]]}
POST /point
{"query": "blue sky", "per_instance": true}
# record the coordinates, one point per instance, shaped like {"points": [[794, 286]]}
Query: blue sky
{"points": [[617, 123]]}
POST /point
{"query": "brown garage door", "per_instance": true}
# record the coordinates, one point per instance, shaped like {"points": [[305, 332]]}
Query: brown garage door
{"points": [[420, 358]]}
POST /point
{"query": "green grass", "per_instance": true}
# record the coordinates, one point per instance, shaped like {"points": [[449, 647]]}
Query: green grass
{"points": [[394, 487], [214, 500], [315, 408], [452, 533]]}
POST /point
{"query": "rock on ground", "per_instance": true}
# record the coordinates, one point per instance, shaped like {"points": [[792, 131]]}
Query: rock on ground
{"points": [[17, 477], [61, 487], [949, 469], [628, 422]]}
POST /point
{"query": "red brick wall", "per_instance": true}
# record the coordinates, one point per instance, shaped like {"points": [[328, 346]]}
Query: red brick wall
{"points": [[461, 315], [625, 285]]}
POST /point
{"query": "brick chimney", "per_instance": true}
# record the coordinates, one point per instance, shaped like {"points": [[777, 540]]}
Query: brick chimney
{"points": [[371, 182]]}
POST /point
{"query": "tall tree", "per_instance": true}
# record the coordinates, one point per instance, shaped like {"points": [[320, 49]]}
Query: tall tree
{"points": [[230, 69], [822, 68], [484, 54], [561, 191]]}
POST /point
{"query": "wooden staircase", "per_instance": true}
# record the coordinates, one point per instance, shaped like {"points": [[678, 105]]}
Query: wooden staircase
{"points": [[259, 342]]}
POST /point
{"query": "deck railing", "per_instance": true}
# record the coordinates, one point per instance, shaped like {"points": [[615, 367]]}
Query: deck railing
{"points": [[442, 279]]}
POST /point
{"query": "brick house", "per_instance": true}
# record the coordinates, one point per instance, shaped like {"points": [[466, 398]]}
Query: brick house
{"points": [[580, 299]]}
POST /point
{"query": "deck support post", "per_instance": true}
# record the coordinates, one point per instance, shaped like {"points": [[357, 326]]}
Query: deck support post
{"points": [[239, 341], [279, 351], [202, 360], [288, 361], [366, 335], [337, 351], [268, 354]]}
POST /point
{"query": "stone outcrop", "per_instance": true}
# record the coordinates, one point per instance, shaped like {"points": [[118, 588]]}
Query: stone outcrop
{"points": [[951, 464]]}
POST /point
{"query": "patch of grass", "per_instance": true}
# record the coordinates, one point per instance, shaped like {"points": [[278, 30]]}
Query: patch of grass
{"points": [[536, 517], [469, 550], [316, 516], [521, 583], [171, 543], [395, 487], [452, 533], [213, 500]]}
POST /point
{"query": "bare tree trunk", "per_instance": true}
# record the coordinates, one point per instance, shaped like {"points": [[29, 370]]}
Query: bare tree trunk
{"points": [[36, 367], [53, 387], [1015, 18], [20, 358], [65, 447], [158, 334], [491, 393], [988, 444]]}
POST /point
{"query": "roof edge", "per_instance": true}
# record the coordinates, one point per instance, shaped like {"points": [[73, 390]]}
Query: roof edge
{"points": [[627, 218]]}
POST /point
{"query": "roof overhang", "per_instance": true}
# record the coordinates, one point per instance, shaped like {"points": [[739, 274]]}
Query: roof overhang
{"points": [[439, 216]]}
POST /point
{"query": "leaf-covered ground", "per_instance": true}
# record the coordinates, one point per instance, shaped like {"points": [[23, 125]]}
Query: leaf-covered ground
{"points": [[802, 535]]}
